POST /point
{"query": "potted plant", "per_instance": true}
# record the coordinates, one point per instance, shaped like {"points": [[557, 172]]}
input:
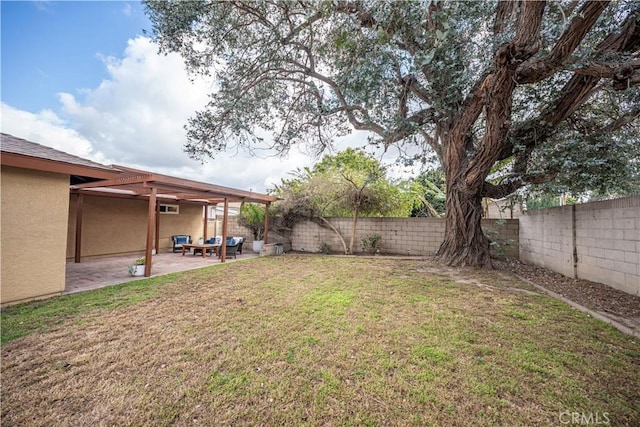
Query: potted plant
{"points": [[137, 268], [252, 215]]}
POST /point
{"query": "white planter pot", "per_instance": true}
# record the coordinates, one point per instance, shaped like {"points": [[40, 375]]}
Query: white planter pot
{"points": [[136, 270], [257, 245]]}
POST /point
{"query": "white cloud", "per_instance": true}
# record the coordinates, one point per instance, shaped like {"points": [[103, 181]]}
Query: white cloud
{"points": [[48, 129], [136, 118]]}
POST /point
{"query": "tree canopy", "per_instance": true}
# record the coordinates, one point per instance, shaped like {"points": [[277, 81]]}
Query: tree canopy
{"points": [[546, 91]]}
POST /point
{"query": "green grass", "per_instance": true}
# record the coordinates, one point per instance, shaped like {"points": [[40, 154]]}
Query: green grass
{"points": [[23, 319], [303, 340]]}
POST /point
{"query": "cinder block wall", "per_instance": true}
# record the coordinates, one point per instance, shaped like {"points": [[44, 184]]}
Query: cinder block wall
{"points": [[546, 239], [597, 241], [400, 236]]}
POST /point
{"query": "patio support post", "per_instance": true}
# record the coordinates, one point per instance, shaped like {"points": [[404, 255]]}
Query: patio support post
{"points": [[78, 249], [266, 222], [150, 228], [157, 240], [206, 221], [225, 221]]}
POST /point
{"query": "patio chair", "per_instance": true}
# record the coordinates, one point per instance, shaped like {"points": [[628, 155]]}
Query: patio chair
{"points": [[232, 249], [178, 240]]}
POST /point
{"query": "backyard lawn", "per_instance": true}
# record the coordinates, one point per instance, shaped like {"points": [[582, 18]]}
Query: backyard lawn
{"points": [[315, 340]]}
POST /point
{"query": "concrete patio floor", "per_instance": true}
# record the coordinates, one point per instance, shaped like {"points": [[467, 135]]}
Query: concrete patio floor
{"points": [[94, 273]]}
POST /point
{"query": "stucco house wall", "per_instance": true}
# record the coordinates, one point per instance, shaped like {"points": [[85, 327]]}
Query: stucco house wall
{"points": [[34, 233], [113, 226]]}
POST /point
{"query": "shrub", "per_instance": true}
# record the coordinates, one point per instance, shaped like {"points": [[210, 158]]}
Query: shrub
{"points": [[371, 243]]}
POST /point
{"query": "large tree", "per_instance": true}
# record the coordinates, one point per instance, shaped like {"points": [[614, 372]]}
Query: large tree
{"points": [[540, 89]]}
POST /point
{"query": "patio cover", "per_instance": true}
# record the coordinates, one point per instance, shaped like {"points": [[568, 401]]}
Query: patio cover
{"points": [[140, 184]]}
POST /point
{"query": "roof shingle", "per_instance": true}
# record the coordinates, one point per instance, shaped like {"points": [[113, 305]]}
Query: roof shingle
{"points": [[12, 144]]}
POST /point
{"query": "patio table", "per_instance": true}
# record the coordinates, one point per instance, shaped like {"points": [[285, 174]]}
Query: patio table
{"points": [[203, 246]]}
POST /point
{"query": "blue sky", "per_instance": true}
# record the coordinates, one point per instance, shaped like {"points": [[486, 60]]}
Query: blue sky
{"points": [[84, 78], [52, 47]]}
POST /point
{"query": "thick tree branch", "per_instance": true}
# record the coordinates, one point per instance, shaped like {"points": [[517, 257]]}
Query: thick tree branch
{"points": [[623, 75], [416, 88], [504, 10], [535, 70], [608, 69], [499, 93], [499, 191], [575, 92], [349, 109]]}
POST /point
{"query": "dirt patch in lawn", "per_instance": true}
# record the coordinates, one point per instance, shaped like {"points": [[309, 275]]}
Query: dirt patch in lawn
{"points": [[312, 340], [590, 294]]}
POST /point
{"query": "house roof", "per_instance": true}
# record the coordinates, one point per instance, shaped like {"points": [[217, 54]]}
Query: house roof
{"points": [[25, 154], [117, 181]]}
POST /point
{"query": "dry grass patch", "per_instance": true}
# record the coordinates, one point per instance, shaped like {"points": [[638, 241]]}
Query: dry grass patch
{"points": [[305, 340]]}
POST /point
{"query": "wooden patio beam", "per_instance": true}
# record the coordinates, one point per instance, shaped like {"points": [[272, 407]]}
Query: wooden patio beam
{"points": [[115, 182], [150, 228], [206, 222], [157, 239], [160, 197], [78, 248], [223, 247], [266, 223]]}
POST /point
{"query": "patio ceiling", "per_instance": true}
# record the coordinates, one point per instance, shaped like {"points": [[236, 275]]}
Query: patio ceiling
{"points": [[136, 183]]}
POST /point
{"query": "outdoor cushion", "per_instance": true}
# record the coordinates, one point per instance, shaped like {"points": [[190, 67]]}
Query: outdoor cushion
{"points": [[178, 240]]}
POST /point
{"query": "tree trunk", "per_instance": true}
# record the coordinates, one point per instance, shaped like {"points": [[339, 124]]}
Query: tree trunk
{"points": [[354, 223], [464, 242], [335, 230]]}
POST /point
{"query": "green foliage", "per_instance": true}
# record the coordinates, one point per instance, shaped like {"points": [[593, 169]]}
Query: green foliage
{"points": [[337, 186], [371, 244], [324, 248], [252, 216], [428, 191], [358, 182], [348, 184], [544, 200]]}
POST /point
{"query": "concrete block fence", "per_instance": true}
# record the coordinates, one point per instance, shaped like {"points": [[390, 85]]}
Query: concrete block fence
{"points": [[597, 241], [399, 236]]}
